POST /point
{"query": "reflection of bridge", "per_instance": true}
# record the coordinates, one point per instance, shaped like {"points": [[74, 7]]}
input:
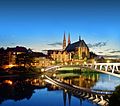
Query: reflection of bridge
{"points": [[97, 96], [104, 66]]}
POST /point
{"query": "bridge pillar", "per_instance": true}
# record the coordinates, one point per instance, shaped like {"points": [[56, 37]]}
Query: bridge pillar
{"points": [[113, 69], [110, 67], [95, 66], [117, 68], [100, 67], [106, 67]]}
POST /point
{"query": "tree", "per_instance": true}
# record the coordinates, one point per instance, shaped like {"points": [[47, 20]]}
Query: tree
{"points": [[2, 57], [25, 58], [115, 98], [75, 56]]}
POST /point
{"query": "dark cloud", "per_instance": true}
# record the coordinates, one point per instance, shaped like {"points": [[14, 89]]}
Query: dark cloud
{"points": [[55, 44], [115, 51], [112, 56], [99, 44], [100, 52]]}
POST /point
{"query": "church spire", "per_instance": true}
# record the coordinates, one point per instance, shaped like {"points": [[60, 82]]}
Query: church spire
{"points": [[69, 42], [64, 41]]}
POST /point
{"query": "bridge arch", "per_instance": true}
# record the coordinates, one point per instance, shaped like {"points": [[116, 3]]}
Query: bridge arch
{"points": [[97, 96]]}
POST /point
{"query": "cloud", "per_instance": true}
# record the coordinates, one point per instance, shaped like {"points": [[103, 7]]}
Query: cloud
{"points": [[99, 44], [115, 51], [108, 49], [101, 52], [55, 44], [112, 56]]}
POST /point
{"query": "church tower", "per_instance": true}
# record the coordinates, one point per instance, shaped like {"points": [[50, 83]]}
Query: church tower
{"points": [[64, 42], [69, 42]]}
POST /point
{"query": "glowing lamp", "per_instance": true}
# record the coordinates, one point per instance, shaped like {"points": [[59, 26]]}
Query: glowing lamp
{"points": [[54, 75], [85, 62], [108, 61], [42, 70]]}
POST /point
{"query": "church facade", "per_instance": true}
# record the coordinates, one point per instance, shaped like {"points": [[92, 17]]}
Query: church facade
{"points": [[71, 51]]}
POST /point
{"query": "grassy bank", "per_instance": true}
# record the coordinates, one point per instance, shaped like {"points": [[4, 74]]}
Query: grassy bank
{"points": [[75, 72]]}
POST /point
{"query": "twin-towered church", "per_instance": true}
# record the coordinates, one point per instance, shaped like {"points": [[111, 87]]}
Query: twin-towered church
{"points": [[71, 51]]}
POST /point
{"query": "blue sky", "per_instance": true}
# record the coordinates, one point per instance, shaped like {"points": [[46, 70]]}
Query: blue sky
{"points": [[39, 23]]}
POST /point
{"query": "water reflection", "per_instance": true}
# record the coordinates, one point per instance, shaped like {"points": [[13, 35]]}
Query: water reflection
{"points": [[68, 100], [35, 90], [65, 94], [18, 89], [95, 80], [83, 80]]}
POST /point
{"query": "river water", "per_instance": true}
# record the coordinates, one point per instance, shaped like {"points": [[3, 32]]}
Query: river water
{"points": [[36, 92]]}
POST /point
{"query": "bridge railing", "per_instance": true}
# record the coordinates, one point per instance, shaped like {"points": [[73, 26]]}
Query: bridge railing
{"points": [[104, 66]]}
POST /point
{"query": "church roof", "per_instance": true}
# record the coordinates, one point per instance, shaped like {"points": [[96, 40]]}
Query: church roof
{"points": [[73, 46]]}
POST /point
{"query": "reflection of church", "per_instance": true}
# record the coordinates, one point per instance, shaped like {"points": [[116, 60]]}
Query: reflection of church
{"points": [[72, 51]]}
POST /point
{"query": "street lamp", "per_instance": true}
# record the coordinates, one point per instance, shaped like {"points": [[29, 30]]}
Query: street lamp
{"points": [[108, 61], [42, 70], [54, 75], [95, 62], [85, 62]]}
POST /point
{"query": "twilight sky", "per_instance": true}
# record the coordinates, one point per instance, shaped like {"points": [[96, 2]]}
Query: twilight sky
{"points": [[40, 24]]}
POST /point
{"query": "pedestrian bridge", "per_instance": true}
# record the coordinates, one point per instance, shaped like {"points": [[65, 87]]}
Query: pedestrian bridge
{"points": [[108, 67], [104, 66], [98, 96]]}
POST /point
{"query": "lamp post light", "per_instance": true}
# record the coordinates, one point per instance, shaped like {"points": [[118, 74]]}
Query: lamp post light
{"points": [[85, 62], [108, 61], [42, 70], [95, 62], [42, 76], [54, 75], [53, 62]]}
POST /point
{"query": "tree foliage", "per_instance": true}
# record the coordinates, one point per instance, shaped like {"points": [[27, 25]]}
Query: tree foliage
{"points": [[25, 59], [115, 98]]}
